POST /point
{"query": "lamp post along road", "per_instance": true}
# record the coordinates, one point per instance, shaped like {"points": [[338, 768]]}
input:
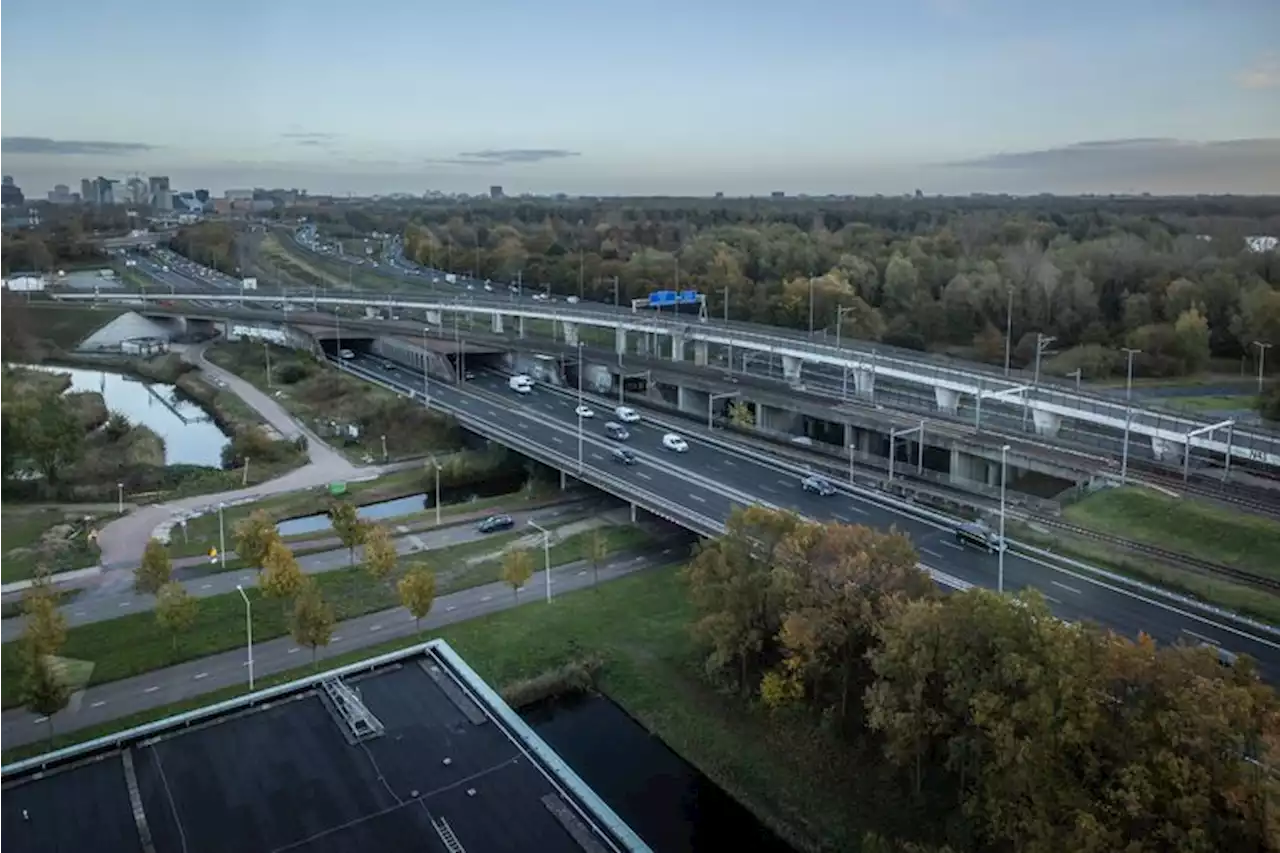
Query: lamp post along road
{"points": [[222, 537], [1128, 383], [580, 404], [1262, 360], [546, 553], [248, 629], [1004, 476]]}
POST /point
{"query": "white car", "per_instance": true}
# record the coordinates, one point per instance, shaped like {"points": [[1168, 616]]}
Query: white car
{"points": [[627, 415], [584, 412], [671, 441]]}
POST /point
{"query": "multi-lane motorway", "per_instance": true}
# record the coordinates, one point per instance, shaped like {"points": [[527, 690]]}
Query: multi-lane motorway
{"points": [[710, 479]]}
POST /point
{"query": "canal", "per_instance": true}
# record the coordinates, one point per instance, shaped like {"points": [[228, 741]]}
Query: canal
{"points": [[190, 436], [669, 804]]}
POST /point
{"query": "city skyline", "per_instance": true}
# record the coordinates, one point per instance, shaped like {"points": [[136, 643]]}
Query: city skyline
{"points": [[948, 96]]}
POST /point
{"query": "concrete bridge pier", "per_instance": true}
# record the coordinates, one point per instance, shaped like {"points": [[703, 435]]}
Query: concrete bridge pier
{"points": [[778, 420], [1046, 423], [620, 341], [974, 469], [677, 346], [497, 323], [570, 332], [433, 318], [791, 369], [692, 401], [864, 382], [948, 400], [700, 353]]}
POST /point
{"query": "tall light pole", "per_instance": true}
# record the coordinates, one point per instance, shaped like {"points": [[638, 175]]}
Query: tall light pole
{"points": [[810, 306], [1004, 475], [1128, 384], [1008, 332], [1042, 341], [337, 321], [580, 372], [248, 629], [426, 388], [726, 328], [222, 537], [1262, 360], [844, 381], [546, 553], [266, 354], [119, 498]]}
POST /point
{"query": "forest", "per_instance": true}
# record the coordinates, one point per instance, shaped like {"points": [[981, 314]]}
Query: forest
{"points": [[1176, 278], [1002, 727]]}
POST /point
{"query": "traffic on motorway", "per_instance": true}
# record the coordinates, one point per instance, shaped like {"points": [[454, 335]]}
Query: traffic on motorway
{"points": [[709, 479]]}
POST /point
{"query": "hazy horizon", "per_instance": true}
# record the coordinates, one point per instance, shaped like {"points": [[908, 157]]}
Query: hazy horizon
{"points": [[813, 97]]}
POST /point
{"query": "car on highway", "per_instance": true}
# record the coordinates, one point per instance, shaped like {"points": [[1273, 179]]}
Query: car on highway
{"points": [[469, 375], [346, 354], [627, 415], [520, 384], [671, 441], [388, 365], [584, 411], [616, 431], [494, 523], [818, 485], [977, 535], [626, 457]]}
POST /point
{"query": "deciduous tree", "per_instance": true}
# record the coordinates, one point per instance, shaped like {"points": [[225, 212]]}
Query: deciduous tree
{"points": [[281, 576], [347, 523], [741, 415], [254, 537], [417, 592], [313, 619], [176, 609], [45, 627], [380, 553], [517, 568], [44, 689], [154, 571], [597, 550]]}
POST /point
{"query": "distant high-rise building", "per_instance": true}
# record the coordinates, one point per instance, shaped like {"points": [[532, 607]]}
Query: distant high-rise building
{"points": [[202, 196], [135, 191], [10, 194], [161, 195], [495, 191], [778, 194], [61, 193], [719, 194], [104, 191], [88, 194]]}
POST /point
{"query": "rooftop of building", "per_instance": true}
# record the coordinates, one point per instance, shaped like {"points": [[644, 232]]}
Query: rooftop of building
{"points": [[440, 764]]}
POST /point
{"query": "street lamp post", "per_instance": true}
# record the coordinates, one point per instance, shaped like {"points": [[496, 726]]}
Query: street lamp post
{"points": [[248, 629], [810, 306], [844, 380], [426, 388], [119, 498], [546, 553], [580, 404], [266, 354], [1004, 475], [726, 328], [222, 537], [1042, 341], [384, 448], [1008, 333], [1128, 384], [1262, 360], [1078, 373]]}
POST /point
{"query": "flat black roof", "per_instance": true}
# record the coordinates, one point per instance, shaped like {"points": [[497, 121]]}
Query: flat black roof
{"points": [[285, 776]]}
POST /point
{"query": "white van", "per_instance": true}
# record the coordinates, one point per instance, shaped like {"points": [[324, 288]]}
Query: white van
{"points": [[520, 384], [627, 415]]}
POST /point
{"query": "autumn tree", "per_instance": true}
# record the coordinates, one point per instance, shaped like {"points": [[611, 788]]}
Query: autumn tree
{"points": [[741, 415], [838, 584], [347, 523], [52, 437], [313, 619], [45, 626], [282, 577], [43, 687], [517, 568], [176, 609], [731, 584], [380, 553], [597, 550], [155, 569], [417, 592], [254, 537]]}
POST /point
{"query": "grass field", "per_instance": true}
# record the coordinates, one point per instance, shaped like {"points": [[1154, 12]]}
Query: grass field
{"points": [[21, 528], [1182, 524], [134, 644], [1218, 403], [789, 773], [65, 326]]}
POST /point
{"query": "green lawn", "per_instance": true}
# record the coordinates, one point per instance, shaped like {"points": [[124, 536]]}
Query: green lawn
{"points": [[1218, 403], [21, 529], [133, 644], [1185, 525], [787, 773], [66, 326]]}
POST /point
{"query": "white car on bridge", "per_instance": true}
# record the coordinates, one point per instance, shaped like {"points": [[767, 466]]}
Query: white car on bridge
{"points": [[671, 441], [584, 411]]}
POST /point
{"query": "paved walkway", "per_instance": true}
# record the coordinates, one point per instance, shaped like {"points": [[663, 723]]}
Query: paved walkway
{"points": [[123, 540], [107, 702], [100, 608]]}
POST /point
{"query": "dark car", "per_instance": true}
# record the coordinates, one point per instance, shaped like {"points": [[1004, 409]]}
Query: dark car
{"points": [[818, 485], [626, 457], [495, 523]]}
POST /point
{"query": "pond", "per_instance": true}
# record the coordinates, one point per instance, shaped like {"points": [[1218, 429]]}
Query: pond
{"points": [[669, 804], [190, 436], [400, 506]]}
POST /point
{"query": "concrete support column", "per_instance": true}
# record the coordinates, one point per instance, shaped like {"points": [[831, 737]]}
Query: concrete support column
{"points": [[791, 369], [948, 400], [864, 381], [497, 323], [564, 481], [520, 328], [433, 318], [633, 512], [1046, 423], [677, 346], [620, 341], [700, 353], [865, 441], [1164, 450], [570, 332]]}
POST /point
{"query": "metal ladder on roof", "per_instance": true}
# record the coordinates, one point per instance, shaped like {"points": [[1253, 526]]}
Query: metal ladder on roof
{"points": [[451, 842], [360, 722]]}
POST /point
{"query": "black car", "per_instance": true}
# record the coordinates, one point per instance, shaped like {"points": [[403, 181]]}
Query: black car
{"points": [[626, 457], [495, 523]]}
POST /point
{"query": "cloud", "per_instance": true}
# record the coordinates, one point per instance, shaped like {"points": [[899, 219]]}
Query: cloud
{"points": [[1263, 74], [506, 156], [68, 147], [309, 138], [1109, 154]]}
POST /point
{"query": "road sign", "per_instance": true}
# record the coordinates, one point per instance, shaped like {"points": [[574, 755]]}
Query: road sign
{"points": [[662, 297], [688, 297], [250, 283]]}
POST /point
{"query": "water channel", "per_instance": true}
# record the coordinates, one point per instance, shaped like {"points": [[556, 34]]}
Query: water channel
{"points": [[190, 436], [669, 804]]}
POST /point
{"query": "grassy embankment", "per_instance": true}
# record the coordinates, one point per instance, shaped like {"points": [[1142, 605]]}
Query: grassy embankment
{"points": [[134, 644], [1186, 525], [50, 536]]}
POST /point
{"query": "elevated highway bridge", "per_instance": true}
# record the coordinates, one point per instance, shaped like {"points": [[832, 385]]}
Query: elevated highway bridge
{"points": [[1172, 437]]}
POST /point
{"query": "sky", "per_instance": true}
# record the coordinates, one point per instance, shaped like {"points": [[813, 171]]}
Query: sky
{"points": [[656, 98]]}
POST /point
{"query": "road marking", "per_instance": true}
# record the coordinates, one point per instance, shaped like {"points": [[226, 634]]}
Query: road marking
{"points": [[953, 545], [557, 439], [933, 553], [1070, 589], [643, 476], [768, 489], [1201, 637], [492, 412], [375, 627], [581, 573], [124, 604], [294, 650], [1049, 597], [206, 585], [452, 607], [730, 463], [487, 598], [784, 482], [78, 613], [697, 498], [42, 719], [97, 704], [336, 638], [151, 690], [200, 675], [857, 510], [596, 456]]}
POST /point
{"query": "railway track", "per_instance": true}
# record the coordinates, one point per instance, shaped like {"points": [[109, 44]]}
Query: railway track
{"points": [[1254, 499], [1195, 564]]}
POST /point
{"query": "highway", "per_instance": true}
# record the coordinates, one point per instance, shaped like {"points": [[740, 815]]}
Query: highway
{"points": [[709, 480]]}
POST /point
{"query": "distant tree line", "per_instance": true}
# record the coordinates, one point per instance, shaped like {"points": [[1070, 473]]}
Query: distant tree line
{"points": [[64, 238], [1011, 730]]}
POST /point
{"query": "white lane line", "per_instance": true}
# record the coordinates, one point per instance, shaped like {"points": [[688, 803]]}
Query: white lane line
{"points": [[1049, 597], [730, 463], [581, 573], [643, 476], [1070, 589], [375, 627], [953, 545], [597, 456], [856, 510], [78, 613], [784, 482], [492, 412], [41, 719], [768, 489], [557, 439], [698, 498], [486, 598], [1201, 637], [124, 604], [336, 638], [932, 553], [206, 586], [200, 675], [151, 690], [451, 607], [97, 704], [294, 650]]}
